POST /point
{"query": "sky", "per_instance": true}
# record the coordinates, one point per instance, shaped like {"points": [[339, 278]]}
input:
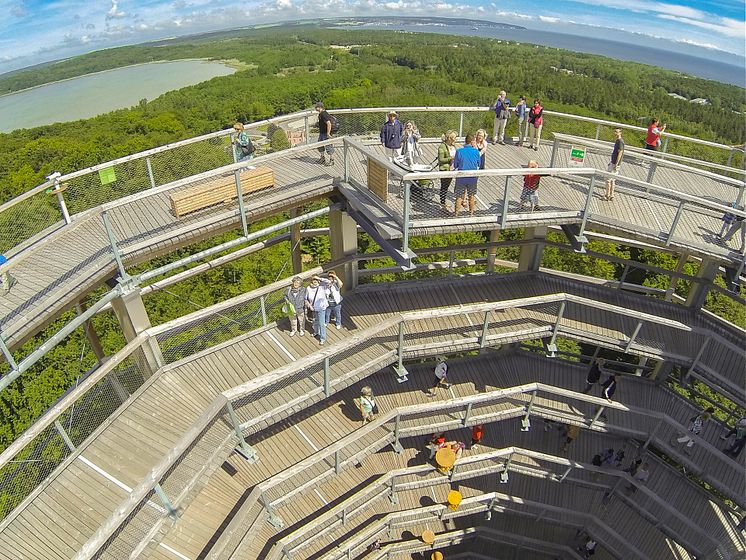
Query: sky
{"points": [[34, 31]]}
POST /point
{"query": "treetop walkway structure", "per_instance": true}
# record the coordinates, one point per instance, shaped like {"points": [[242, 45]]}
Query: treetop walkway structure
{"points": [[217, 435]]}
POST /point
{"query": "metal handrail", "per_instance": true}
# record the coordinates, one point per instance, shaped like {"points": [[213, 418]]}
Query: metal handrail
{"points": [[174, 455], [309, 532], [308, 114]]}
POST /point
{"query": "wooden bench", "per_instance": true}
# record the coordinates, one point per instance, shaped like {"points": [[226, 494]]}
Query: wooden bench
{"points": [[220, 189]]}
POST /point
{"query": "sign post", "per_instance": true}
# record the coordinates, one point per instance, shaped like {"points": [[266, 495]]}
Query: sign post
{"points": [[577, 155]]}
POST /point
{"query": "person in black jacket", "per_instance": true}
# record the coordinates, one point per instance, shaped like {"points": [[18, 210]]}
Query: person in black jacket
{"points": [[391, 136], [594, 374], [325, 132]]}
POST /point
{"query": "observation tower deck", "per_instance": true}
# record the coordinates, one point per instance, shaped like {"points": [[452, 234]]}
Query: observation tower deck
{"points": [[218, 435]]}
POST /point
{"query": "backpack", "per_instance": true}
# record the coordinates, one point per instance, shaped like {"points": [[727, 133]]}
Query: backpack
{"points": [[335, 123], [248, 149]]}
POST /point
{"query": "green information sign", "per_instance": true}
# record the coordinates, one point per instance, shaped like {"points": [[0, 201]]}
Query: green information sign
{"points": [[107, 175], [577, 154]]}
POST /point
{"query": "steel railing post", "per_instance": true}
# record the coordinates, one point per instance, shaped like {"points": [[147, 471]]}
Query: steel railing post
{"points": [[249, 452], [397, 426], [468, 414], [172, 511], [701, 351], [337, 462], [597, 415], [485, 327], [651, 172], [346, 162], [306, 129], [665, 147], [730, 157], [114, 249], [632, 338], [233, 147], [504, 474], [392, 493], [405, 225], [451, 256], [58, 190], [150, 172], [241, 207], [598, 131], [653, 432], [63, 435], [327, 380], [506, 193], [461, 125], [565, 474], [587, 206], [675, 222], [401, 371], [552, 346], [555, 146], [526, 422], [263, 309], [6, 352], [624, 276]]}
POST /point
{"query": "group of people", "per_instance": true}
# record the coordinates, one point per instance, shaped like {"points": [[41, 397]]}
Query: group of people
{"points": [[318, 302], [533, 116]]}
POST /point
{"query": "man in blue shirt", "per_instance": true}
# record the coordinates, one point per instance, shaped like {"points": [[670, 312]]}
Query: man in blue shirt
{"points": [[466, 159]]}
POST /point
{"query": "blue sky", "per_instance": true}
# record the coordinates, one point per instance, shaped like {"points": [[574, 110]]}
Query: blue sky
{"points": [[33, 31]]}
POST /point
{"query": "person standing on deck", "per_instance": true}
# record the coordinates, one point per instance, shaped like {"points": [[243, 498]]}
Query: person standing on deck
{"points": [[696, 423], [441, 376], [594, 374], [325, 132], [446, 153], [607, 391], [295, 299], [536, 120], [520, 115], [502, 114], [739, 430], [333, 286], [367, 404], [316, 301], [392, 132], [653, 138], [571, 433], [467, 159], [614, 164], [641, 476]]}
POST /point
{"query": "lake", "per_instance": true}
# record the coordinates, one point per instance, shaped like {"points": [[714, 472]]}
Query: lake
{"points": [[94, 94]]}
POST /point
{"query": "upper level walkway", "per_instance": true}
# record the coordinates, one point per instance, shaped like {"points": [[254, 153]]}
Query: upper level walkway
{"points": [[673, 205], [171, 432]]}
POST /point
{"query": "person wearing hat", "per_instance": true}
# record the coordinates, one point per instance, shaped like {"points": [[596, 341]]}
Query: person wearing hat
{"points": [[391, 136], [325, 132], [6, 278], [243, 145]]}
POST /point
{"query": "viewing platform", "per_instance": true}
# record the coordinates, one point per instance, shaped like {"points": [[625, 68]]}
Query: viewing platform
{"points": [[219, 435]]}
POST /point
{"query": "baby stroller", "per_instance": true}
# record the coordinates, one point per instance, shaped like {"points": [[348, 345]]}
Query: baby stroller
{"points": [[423, 189]]}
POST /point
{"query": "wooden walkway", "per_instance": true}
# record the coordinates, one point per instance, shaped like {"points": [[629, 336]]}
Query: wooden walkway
{"points": [[145, 227], [81, 495], [61, 269], [643, 216], [470, 376]]}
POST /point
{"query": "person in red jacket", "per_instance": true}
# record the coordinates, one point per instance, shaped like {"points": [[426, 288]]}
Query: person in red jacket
{"points": [[536, 123], [530, 192], [653, 139]]}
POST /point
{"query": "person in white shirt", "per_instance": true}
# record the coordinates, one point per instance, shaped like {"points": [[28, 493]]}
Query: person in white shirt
{"points": [[317, 302], [333, 286], [441, 376]]}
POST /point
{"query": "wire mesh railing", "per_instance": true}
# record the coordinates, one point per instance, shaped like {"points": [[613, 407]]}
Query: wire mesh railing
{"points": [[321, 375], [358, 508]]}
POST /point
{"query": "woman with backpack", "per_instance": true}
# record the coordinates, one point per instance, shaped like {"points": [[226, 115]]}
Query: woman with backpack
{"points": [[243, 145], [446, 153], [536, 122]]}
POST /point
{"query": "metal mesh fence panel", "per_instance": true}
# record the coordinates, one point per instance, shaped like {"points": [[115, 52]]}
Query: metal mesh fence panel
{"points": [[205, 332], [27, 219], [130, 532], [29, 468]]}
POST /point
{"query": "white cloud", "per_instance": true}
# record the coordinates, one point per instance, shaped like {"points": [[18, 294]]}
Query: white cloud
{"points": [[698, 44], [115, 12], [547, 19], [725, 26]]}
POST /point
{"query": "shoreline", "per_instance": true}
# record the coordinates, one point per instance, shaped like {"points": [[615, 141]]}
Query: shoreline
{"points": [[223, 62]]}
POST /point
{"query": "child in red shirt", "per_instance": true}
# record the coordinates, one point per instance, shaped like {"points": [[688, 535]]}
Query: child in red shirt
{"points": [[529, 194]]}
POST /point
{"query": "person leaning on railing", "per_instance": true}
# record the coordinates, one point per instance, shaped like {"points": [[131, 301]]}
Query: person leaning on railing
{"points": [[653, 138]]}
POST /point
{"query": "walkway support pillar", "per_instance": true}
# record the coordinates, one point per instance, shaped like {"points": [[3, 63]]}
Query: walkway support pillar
{"points": [[683, 259], [492, 251], [295, 255], [133, 318], [530, 257], [699, 290], [661, 371], [91, 334], [343, 244]]}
